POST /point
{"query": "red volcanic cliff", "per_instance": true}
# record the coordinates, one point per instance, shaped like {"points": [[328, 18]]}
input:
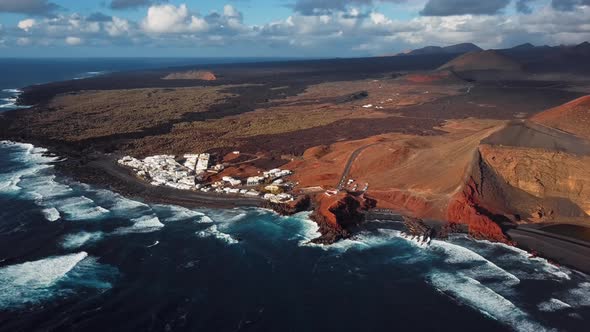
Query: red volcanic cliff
{"points": [[465, 208], [335, 215]]}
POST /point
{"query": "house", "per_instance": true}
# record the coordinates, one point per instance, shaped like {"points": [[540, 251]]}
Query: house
{"points": [[202, 162], [231, 181], [273, 188], [252, 193], [254, 180]]}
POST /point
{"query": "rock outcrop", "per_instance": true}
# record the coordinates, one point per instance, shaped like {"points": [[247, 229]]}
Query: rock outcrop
{"points": [[301, 203], [336, 215]]}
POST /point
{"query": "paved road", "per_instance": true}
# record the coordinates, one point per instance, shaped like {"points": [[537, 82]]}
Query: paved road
{"points": [[351, 160]]}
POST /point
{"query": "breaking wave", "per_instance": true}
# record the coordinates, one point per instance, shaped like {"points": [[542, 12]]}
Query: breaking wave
{"points": [[553, 305], [579, 296], [172, 213], [36, 281], [77, 240], [10, 102], [51, 214], [12, 91], [482, 298], [143, 224], [213, 231], [80, 208], [479, 267]]}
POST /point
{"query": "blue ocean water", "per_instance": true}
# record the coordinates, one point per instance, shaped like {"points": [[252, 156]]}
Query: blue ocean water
{"points": [[78, 258]]}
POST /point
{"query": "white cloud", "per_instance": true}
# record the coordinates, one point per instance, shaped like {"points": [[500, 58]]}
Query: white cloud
{"points": [[74, 40], [26, 24], [117, 27], [171, 19]]}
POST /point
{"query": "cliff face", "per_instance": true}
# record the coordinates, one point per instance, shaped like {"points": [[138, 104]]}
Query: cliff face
{"points": [[480, 204], [512, 184], [542, 185]]}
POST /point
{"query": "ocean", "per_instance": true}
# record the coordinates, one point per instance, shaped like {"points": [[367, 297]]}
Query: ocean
{"points": [[79, 258]]}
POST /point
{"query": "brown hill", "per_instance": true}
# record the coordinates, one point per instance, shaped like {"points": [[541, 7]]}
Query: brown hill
{"points": [[573, 117], [482, 61], [191, 75]]}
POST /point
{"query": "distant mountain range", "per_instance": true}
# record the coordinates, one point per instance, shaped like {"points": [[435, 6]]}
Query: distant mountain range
{"points": [[453, 49], [573, 58]]}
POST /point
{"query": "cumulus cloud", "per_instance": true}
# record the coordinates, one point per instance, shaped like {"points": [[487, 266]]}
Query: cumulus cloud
{"points": [[26, 24], [31, 7], [172, 19], [117, 27], [463, 7], [73, 41]]}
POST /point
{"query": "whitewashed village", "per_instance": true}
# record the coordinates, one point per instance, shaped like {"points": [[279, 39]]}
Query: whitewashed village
{"points": [[193, 171]]}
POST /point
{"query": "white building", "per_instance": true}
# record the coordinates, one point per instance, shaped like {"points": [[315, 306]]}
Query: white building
{"points": [[231, 181], [202, 162], [254, 180]]}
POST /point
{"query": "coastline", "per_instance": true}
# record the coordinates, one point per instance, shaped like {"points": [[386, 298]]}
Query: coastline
{"points": [[101, 170]]}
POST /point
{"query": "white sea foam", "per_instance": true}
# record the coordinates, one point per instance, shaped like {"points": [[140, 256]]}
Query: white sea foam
{"points": [[205, 219], [213, 231], [309, 229], [147, 222], [360, 241], [177, 213], [51, 214], [118, 205], [579, 296], [29, 282], [476, 295], [72, 241], [520, 262], [89, 74], [228, 216], [14, 91], [44, 188], [553, 305], [478, 265], [80, 208], [143, 224]]}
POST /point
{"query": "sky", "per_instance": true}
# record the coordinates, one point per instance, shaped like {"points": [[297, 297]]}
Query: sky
{"points": [[280, 28]]}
